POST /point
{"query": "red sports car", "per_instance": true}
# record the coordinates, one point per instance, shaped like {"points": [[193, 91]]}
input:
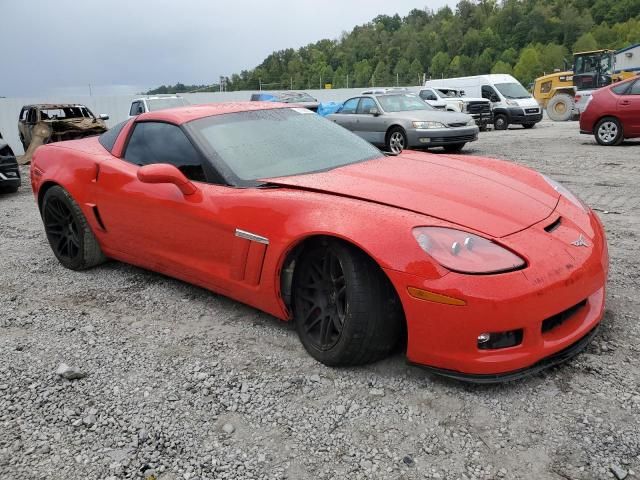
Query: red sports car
{"points": [[613, 113], [487, 270]]}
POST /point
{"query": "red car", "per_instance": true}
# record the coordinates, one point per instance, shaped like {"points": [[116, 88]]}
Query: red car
{"points": [[487, 270], [613, 113]]}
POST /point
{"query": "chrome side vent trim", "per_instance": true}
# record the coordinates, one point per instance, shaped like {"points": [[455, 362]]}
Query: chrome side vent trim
{"points": [[251, 236]]}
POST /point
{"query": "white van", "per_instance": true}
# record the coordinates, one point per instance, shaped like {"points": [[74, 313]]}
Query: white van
{"points": [[511, 102]]}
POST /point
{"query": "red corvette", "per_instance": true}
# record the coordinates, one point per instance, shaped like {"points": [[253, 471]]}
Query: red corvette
{"points": [[488, 271], [613, 113]]}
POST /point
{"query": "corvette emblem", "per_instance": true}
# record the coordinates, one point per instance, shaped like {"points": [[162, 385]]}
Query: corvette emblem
{"points": [[580, 242]]}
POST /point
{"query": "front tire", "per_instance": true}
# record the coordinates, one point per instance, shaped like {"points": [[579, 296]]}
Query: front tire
{"points": [[70, 237], [609, 132], [454, 147], [345, 309], [560, 107], [500, 122], [396, 140]]}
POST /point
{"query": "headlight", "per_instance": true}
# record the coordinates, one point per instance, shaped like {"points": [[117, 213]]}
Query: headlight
{"points": [[428, 125], [471, 122], [512, 102], [566, 193], [465, 252]]}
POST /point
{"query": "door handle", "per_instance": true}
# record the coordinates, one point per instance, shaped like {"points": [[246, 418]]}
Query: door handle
{"points": [[625, 102]]}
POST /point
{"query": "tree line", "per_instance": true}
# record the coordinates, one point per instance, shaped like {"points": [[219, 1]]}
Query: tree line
{"points": [[525, 38]]}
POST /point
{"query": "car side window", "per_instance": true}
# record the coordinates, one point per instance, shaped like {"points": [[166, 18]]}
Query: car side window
{"points": [[365, 106], [635, 88], [134, 108], [350, 106], [489, 93], [620, 89], [31, 116], [428, 95], [156, 142]]}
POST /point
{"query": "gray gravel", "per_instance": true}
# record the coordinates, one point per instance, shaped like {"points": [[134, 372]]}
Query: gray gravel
{"points": [[185, 384]]}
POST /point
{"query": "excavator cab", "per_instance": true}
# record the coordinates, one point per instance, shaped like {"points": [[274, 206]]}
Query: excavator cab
{"points": [[592, 70]]}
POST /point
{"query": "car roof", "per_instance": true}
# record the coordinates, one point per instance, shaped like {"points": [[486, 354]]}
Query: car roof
{"points": [[158, 97], [188, 113], [54, 105]]}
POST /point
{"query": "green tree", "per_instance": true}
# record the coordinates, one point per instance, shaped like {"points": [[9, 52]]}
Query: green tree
{"points": [[585, 43], [528, 66], [502, 67], [440, 65]]}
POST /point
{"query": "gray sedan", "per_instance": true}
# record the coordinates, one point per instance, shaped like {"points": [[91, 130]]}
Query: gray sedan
{"points": [[397, 121]]}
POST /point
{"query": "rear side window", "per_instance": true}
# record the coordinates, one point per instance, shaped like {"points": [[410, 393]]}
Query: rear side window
{"points": [[108, 138], [428, 95], [635, 88], [620, 89], [155, 142]]}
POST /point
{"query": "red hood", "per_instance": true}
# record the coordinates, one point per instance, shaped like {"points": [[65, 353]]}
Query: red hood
{"points": [[486, 195]]}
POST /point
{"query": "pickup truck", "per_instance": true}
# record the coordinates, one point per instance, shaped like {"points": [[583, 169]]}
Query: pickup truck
{"points": [[454, 100], [151, 104]]}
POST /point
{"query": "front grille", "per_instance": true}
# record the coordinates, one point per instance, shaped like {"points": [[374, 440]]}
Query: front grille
{"points": [[457, 139], [532, 110], [457, 124], [478, 107], [558, 319]]}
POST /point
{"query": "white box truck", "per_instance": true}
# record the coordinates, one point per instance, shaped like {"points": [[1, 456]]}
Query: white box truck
{"points": [[511, 103]]}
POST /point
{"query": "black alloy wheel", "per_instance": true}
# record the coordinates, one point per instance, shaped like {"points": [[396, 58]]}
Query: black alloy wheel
{"points": [[321, 299], [62, 229], [70, 236]]}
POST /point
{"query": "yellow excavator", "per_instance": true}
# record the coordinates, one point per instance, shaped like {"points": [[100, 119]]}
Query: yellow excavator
{"points": [[591, 70]]}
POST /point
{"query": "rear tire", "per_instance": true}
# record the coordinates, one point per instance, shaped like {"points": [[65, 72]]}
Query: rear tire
{"points": [[396, 140], [7, 152], [345, 309], [609, 132], [454, 147], [70, 237], [500, 122], [9, 189], [560, 107]]}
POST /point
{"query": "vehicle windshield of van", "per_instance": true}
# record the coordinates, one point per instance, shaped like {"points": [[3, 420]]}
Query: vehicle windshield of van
{"points": [[512, 90], [402, 103]]}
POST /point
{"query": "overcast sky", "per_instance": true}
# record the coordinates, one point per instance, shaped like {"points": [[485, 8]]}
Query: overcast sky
{"points": [[124, 46]]}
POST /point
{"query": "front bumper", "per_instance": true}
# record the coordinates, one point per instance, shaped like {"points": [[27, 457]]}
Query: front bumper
{"points": [[518, 115], [9, 172], [437, 137], [558, 277], [482, 119]]}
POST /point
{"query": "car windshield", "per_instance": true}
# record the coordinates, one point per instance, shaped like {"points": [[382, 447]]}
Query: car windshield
{"points": [[164, 103], [293, 97], [402, 103], [448, 93], [263, 144], [512, 90]]}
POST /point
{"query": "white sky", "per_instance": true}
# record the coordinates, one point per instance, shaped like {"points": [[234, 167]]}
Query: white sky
{"points": [[124, 46]]}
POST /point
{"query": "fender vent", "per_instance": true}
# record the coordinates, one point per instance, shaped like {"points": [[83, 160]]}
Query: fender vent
{"points": [[96, 213]]}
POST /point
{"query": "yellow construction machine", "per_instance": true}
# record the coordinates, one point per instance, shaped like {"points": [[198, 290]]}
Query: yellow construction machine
{"points": [[591, 70]]}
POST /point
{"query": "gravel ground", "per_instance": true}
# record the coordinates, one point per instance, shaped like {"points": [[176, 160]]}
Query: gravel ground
{"points": [[185, 384]]}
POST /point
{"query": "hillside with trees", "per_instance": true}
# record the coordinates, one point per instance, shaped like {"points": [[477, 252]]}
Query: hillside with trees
{"points": [[525, 38]]}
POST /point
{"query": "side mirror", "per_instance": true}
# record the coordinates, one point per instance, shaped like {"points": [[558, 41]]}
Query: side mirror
{"points": [[495, 98], [166, 173], [374, 111], [103, 116]]}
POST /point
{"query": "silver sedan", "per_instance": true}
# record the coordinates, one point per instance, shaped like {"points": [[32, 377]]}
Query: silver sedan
{"points": [[396, 121]]}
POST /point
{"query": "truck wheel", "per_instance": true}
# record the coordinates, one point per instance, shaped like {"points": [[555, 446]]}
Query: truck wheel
{"points": [[501, 122], [609, 132], [6, 152], [560, 107]]}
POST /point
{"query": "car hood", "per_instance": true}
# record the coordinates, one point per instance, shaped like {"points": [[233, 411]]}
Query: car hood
{"points": [[489, 196], [431, 115]]}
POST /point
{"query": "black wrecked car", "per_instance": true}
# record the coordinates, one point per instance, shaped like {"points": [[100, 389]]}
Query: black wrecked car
{"points": [[9, 171]]}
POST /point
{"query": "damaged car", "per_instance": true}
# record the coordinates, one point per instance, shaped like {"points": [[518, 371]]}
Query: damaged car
{"points": [[58, 122], [9, 171]]}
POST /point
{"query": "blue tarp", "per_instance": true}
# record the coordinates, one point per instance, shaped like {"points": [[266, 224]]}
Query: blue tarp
{"points": [[328, 108], [266, 97]]}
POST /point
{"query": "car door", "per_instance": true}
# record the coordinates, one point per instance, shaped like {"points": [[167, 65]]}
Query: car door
{"points": [[369, 123], [32, 119], [346, 116], [629, 110], [156, 225]]}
